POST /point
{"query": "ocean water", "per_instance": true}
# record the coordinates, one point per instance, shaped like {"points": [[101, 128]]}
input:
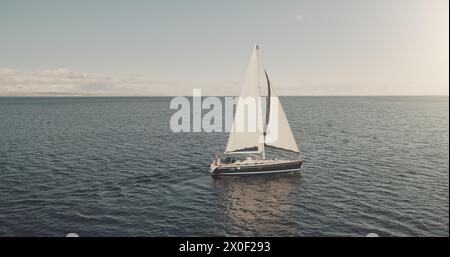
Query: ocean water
{"points": [[113, 167]]}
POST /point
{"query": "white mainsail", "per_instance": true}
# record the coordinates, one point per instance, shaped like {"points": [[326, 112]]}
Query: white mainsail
{"points": [[278, 132], [245, 135]]}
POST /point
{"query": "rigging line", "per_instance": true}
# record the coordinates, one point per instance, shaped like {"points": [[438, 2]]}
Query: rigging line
{"points": [[267, 102]]}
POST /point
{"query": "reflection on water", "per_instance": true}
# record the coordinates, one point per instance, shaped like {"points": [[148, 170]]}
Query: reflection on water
{"points": [[259, 205]]}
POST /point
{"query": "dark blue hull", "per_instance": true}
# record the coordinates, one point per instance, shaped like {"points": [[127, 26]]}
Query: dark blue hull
{"points": [[257, 169]]}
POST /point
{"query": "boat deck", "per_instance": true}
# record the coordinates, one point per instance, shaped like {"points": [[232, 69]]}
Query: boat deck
{"points": [[255, 163]]}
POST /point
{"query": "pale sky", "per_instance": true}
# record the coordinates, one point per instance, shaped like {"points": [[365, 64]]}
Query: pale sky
{"points": [[141, 48]]}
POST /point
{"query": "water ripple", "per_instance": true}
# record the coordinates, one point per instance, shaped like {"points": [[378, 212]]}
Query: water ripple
{"points": [[112, 167]]}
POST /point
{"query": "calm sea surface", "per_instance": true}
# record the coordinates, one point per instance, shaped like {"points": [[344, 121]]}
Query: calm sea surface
{"points": [[113, 167]]}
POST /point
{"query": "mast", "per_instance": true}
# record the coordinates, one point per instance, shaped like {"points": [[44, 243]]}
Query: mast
{"points": [[259, 112]]}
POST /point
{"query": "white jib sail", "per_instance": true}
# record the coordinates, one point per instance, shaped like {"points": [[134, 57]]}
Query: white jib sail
{"points": [[245, 135], [278, 131]]}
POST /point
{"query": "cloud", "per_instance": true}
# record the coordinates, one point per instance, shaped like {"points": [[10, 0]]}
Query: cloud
{"points": [[63, 81], [44, 82], [299, 17]]}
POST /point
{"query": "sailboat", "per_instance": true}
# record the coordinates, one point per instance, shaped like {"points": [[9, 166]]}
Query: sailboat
{"points": [[253, 132]]}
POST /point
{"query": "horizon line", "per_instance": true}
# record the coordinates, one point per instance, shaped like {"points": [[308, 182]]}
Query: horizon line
{"points": [[105, 96]]}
